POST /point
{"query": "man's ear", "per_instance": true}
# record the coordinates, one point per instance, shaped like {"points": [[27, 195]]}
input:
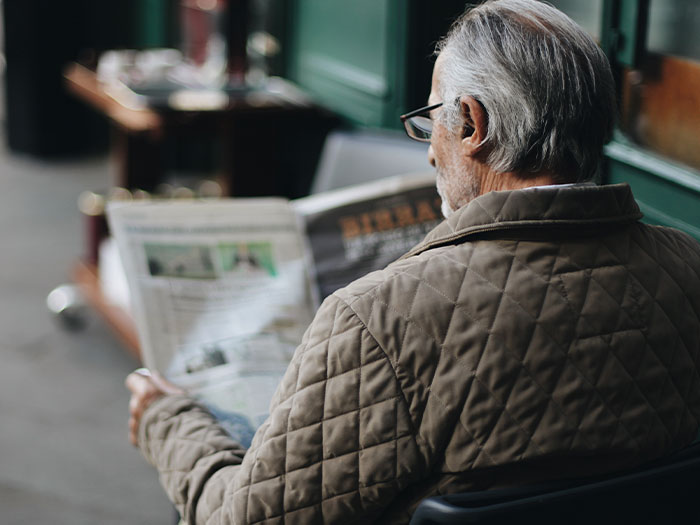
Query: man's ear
{"points": [[475, 122]]}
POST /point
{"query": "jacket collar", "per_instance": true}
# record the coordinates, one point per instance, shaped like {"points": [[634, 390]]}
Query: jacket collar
{"points": [[569, 206]]}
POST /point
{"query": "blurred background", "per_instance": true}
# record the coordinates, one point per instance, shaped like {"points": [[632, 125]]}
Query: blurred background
{"points": [[179, 98]]}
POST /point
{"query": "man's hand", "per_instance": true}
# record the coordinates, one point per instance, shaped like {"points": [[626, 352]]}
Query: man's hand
{"points": [[145, 388]]}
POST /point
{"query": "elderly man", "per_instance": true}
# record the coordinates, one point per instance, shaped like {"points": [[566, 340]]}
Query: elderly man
{"points": [[541, 331]]}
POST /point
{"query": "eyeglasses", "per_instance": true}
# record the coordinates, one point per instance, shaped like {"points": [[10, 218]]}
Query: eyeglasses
{"points": [[418, 124]]}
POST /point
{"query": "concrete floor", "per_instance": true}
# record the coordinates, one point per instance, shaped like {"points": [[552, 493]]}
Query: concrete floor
{"points": [[64, 453]]}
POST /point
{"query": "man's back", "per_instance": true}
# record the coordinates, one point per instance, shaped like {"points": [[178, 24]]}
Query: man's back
{"points": [[547, 334]]}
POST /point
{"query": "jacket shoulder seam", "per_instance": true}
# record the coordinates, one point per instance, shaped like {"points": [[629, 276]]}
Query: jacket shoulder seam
{"points": [[416, 436]]}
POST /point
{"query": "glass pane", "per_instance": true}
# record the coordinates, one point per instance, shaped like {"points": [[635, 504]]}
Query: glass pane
{"points": [[673, 28], [419, 127], [587, 14], [661, 106], [661, 97]]}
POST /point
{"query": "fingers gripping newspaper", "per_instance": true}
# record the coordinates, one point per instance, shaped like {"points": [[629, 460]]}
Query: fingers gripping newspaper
{"points": [[222, 291]]}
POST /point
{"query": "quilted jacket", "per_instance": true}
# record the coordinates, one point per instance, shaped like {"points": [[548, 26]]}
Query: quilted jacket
{"points": [[537, 333]]}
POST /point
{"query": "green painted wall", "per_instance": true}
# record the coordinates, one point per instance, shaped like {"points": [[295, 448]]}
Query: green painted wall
{"points": [[368, 60], [349, 55]]}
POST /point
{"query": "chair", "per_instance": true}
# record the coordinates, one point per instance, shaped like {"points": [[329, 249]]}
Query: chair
{"points": [[666, 493], [355, 157]]}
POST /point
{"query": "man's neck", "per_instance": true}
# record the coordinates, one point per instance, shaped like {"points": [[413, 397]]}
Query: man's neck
{"points": [[493, 181]]}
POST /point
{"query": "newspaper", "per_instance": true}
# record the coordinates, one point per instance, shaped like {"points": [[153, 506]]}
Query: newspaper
{"points": [[353, 231], [222, 291]]}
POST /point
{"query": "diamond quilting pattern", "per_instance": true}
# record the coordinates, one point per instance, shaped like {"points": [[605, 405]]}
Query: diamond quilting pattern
{"points": [[472, 353], [355, 433], [303, 447], [573, 372], [342, 394]]}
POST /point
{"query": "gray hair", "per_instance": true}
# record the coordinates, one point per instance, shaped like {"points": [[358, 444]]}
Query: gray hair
{"points": [[546, 86]]}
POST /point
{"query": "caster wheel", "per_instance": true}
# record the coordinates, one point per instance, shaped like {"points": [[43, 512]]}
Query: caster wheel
{"points": [[68, 306]]}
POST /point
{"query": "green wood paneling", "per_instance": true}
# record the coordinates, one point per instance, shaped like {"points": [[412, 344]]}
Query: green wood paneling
{"points": [[587, 14], [156, 23], [350, 55], [368, 60], [668, 193], [624, 30]]}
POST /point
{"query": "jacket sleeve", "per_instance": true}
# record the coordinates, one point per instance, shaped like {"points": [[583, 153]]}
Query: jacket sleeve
{"points": [[191, 452], [337, 447]]}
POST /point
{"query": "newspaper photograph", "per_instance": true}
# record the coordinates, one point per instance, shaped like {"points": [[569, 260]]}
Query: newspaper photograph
{"points": [[219, 293]]}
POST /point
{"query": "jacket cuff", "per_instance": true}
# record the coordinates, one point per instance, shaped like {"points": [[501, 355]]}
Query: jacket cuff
{"points": [[158, 413]]}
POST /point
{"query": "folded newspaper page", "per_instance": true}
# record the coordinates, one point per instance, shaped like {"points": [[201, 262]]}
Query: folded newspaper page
{"points": [[353, 231], [219, 293], [222, 290]]}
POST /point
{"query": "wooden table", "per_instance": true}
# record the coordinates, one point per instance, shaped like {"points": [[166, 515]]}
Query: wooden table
{"points": [[272, 138], [87, 280]]}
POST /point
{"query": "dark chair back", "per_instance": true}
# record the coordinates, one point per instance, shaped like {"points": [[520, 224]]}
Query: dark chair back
{"points": [[665, 493]]}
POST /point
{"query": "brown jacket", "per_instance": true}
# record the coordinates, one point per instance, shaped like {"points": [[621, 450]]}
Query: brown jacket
{"points": [[535, 334]]}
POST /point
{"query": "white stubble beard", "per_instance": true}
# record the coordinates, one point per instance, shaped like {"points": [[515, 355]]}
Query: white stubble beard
{"points": [[470, 190], [445, 205]]}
